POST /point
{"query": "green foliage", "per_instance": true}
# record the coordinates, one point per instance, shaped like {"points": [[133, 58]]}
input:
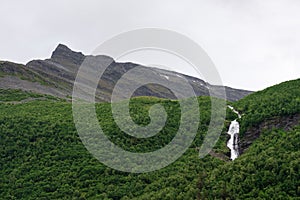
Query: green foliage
{"points": [[279, 100], [42, 156], [269, 170]]}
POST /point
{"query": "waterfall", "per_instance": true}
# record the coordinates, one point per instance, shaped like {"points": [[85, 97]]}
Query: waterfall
{"points": [[233, 131], [236, 112], [232, 143]]}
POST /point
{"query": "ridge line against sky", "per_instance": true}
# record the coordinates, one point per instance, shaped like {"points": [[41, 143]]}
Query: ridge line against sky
{"points": [[254, 44]]}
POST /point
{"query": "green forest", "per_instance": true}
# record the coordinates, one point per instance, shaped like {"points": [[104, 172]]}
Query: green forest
{"points": [[42, 156]]}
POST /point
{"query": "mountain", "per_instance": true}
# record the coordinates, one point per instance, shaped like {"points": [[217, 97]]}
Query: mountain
{"points": [[42, 156], [55, 76]]}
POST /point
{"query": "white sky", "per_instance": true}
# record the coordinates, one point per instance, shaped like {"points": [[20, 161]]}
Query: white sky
{"points": [[254, 44]]}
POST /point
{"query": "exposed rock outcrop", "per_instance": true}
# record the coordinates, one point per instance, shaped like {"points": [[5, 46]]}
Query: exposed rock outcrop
{"points": [[283, 122]]}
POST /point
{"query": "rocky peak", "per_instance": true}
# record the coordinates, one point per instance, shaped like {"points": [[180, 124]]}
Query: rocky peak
{"points": [[64, 53]]}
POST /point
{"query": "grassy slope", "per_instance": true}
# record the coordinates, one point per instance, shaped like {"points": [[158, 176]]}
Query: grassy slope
{"points": [[9, 95], [21, 71], [43, 157]]}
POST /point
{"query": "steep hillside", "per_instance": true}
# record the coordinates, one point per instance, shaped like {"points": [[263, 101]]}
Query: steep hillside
{"points": [[268, 170], [274, 107], [42, 156], [270, 141], [56, 76]]}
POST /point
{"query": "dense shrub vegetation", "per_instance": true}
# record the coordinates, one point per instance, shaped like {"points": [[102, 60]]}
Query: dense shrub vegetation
{"points": [[279, 100], [269, 170], [42, 156]]}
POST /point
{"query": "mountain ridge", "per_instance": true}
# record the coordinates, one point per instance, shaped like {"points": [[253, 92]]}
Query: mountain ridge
{"points": [[56, 75]]}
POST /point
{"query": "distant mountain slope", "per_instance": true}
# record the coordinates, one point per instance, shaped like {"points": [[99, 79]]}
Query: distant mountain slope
{"points": [[55, 76]]}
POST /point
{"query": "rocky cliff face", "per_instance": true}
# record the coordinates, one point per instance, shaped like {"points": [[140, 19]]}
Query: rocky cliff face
{"points": [[279, 122], [56, 76], [63, 54]]}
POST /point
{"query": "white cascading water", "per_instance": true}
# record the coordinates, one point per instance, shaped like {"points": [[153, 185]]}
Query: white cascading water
{"points": [[236, 112], [233, 131]]}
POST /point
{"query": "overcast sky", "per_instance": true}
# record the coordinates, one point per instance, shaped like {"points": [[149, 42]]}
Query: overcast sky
{"points": [[254, 44]]}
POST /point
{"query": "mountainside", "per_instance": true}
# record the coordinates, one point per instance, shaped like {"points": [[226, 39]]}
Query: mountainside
{"points": [[42, 156], [274, 107], [55, 76], [269, 143]]}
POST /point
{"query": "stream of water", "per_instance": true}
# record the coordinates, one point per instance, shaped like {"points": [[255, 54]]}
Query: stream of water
{"points": [[233, 131]]}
